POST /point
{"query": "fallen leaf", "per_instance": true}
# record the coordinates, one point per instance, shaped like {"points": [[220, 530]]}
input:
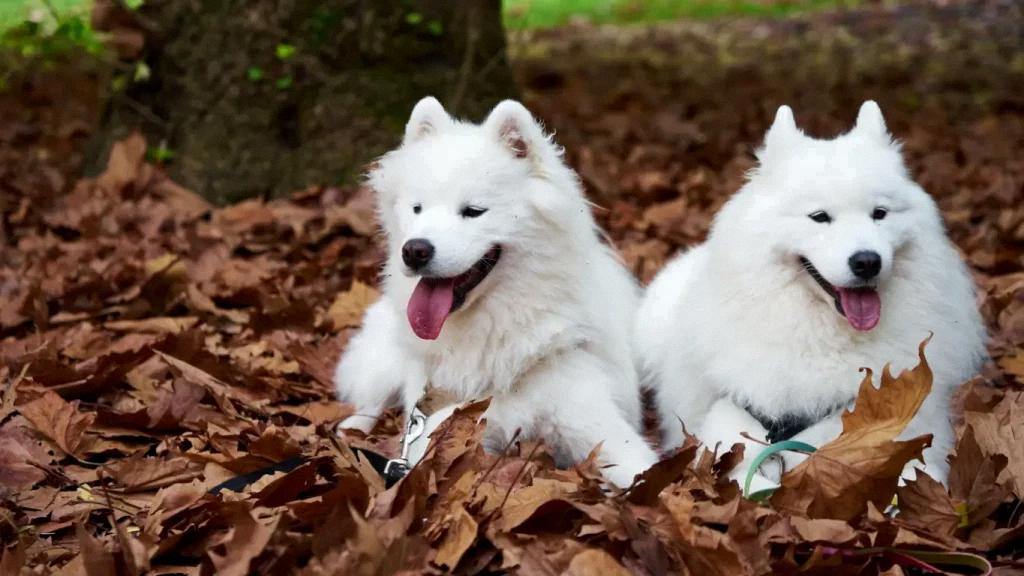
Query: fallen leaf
{"points": [[348, 308], [96, 559], [864, 463], [145, 474], [595, 561], [460, 535], [973, 478], [21, 464], [522, 503], [233, 552], [59, 421], [925, 503]]}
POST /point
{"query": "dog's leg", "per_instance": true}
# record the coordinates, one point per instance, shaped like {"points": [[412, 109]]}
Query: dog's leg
{"points": [[724, 426], [371, 373], [933, 418], [568, 402], [682, 402], [623, 449]]}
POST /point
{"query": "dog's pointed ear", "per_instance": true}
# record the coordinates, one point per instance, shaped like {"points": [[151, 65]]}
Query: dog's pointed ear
{"points": [[783, 128], [870, 121], [513, 125], [428, 117]]}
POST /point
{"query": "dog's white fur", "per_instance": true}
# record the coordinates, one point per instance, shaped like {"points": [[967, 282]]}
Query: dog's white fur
{"points": [[736, 322], [548, 332]]}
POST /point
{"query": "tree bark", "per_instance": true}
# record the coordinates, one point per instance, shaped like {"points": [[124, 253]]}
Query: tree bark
{"points": [[263, 97]]}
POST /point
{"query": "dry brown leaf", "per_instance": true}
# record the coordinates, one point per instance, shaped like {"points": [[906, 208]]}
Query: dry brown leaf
{"points": [[595, 561], [523, 502], [145, 474], [233, 552], [864, 463], [59, 421], [973, 478], [124, 164], [1002, 432], [317, 413], [460, 536], [348, 308], [96, 559], [21, 464], [925, 503], [12, 560], [161, 325]]}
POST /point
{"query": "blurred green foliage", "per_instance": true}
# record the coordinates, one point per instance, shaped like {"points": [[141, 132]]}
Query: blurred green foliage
{"points": [[520, 14], [42, 33], [536, 13]]}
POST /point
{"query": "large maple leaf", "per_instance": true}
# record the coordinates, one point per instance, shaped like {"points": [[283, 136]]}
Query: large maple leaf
{"points": [[864, 463]]}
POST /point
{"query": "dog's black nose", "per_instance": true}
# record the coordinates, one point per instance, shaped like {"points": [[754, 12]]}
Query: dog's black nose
{"points": [[416, 253], [866, 264]]}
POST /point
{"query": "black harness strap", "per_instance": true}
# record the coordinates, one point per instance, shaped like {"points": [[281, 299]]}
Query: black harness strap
{"points": [[789, 425], [783, 428]]}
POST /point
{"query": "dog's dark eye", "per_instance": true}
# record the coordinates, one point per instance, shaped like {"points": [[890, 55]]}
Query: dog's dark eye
{"points": [[472, 212], [417, 208], [820, 216], [879, 213]]}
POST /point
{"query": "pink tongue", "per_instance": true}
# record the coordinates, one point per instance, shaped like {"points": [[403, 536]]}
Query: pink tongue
{"points": [[863, 308], [429, 306]]}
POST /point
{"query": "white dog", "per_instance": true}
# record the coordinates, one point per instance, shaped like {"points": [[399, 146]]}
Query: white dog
{"points": [[497, 285], [762, 329]]}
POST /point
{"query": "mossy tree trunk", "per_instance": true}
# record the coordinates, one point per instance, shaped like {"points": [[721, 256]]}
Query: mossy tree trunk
{"points": [[262, 97]]}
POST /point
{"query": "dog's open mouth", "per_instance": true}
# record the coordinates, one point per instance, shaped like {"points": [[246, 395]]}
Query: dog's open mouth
{"points": [[860, 305], [435, 298]]}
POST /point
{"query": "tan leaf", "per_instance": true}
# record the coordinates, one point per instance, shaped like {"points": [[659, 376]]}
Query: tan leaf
{"points": [[460, 536], [1014, 364], [864, 463], [233, 552], [348, 308], [21, 466], [59, 421], [1001, 431], [96, 559], [320, 412], [522, 503], [973, 478], [161, 325], [924, 502], [882, 413], [595, 561], [12, 560], [126, 160], [144, 474]]}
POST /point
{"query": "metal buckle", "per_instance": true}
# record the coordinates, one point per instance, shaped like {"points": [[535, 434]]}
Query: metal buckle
{"points": [[397, 468]]}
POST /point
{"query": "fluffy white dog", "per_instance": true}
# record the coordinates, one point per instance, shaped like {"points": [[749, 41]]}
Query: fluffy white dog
{"points": [[762, 329], [497, 284]]}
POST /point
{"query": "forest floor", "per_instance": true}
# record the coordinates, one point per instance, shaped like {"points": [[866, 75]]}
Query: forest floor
{"points": [[153, 346]]}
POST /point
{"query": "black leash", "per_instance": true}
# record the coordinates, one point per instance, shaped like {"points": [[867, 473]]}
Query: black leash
{"points": [[390, 469], [379, 462]]}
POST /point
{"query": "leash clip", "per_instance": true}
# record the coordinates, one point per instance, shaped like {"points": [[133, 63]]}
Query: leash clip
{"points": [[397, 468]]}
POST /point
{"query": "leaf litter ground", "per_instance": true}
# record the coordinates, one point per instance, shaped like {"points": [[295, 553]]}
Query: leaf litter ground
{"points": [[154, 346]]}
